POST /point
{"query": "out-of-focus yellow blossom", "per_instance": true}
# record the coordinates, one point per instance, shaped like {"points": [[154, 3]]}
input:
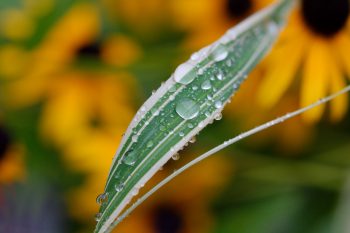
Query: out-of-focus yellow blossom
{"points": [[85, 115], [78, 27], [16, 24], [11, 159], [206, 20], [37, 8], [120, 50], [183, 204], [13, 61], [144, 17], [316, 44]]}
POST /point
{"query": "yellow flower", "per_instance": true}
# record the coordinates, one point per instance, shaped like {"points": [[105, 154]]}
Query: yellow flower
{"points": [[316, 44], [11, 159], [85, 115], [206, 20]]}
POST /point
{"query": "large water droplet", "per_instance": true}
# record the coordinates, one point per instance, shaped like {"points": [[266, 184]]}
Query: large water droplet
{"points": [[220, 53], [130, 157], [183, 75], [206, 85], [187, 108], [220, 76]]}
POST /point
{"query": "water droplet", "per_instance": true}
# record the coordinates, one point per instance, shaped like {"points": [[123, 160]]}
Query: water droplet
{"points": [[155, 112], [149, 144], [181, 134], [183, 75], [176, 156], [218, 104], [194, 88], [102, 198], [189, 125], [220, 76], [135, 191], [130, 157], [98, 217], [193, 139], [209, 97], [172, 88], [195, 56], [119, 187], [206, 85], [134, 138], [220, 53], [200, 71], [229, 62], [218, 116], [187, 108]]}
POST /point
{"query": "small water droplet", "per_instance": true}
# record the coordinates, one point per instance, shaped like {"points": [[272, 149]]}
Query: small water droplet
{"points": [[183, 75], [149, 144], [209, 97], [194, 88], [176, 156], [130, 157], [155, 112], [135, 191], [220, 76], [200, 71], [181, 134], [102, 198], [229, 62], [193, 139], [206, 85], [218, 104], [134, 138], [187, 108], [218, 116], [119, 187], [220, 53], [172, 88], [98, 217], [189, 125]]}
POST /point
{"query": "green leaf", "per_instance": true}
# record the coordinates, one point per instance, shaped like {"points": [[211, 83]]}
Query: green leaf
{"points": [[192, 98]]}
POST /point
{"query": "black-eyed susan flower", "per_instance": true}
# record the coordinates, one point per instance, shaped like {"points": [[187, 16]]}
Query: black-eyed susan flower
{"points": [[315, 47]]}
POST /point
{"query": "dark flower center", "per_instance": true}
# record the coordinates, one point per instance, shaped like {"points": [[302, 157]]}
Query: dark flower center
{"points": [[237, 9], [325, 17], [90, 50], [4, 142], [167, 219]]}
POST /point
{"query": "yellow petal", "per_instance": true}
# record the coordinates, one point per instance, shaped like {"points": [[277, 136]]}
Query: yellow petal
{"points": [[283, 68], [315, 79], [339, 104], [342, 47]]}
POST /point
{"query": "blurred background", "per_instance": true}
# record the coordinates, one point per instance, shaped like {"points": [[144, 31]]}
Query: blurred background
{"points": [[73, 73]]}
